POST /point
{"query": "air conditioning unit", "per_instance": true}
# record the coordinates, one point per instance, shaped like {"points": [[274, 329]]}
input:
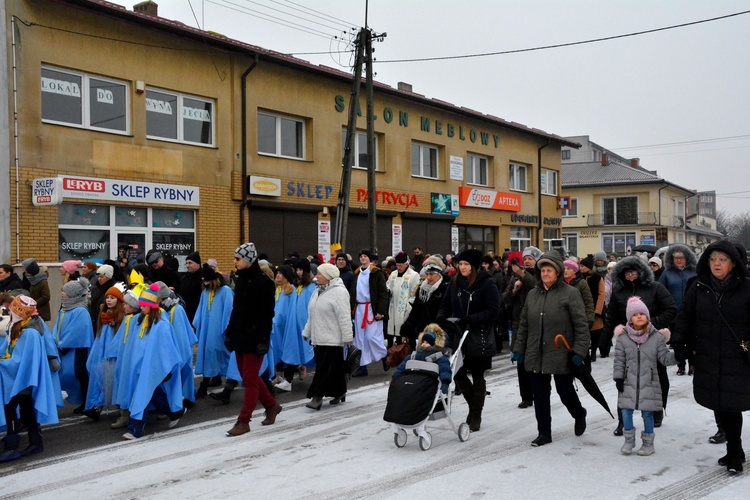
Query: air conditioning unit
{"points": [[678, 221]]}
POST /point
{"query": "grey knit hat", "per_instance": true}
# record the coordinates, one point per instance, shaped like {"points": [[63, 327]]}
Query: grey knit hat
{"points": [[247, 252], [131, 299], [533, 251], [74, 289]]}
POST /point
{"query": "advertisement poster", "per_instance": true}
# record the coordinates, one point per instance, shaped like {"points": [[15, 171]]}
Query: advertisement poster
{"points": [[397, 242], [493, 200], [457, 168], [454, 239], [324, 239]]}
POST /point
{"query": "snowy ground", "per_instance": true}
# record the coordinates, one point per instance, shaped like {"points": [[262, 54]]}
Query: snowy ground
{"points": [[348, 452]]}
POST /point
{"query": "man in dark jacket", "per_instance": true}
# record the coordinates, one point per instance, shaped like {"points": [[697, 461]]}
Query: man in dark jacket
{"points": [[633, 277], [248, 334], [9, 280], [345, 269], [191, 285], [161, 272]]}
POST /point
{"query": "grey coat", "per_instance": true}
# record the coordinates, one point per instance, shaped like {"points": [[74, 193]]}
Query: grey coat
{"points": [[636, 365], [546, 314]]}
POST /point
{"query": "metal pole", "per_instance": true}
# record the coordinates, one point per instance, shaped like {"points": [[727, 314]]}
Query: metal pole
{"points": [[371, 214]]}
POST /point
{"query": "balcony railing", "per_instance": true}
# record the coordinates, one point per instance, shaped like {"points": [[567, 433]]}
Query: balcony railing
{"points": [[622, 219]]}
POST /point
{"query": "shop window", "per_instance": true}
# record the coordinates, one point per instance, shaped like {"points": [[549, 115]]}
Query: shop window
{"points": [[424, 160], [81, 100], [84, 244], [550, 234], [618, 242], [573, 210], [619, 211], [481, 238], [476, 170], [173, 218], [571, 242], [517, 177], [281, 136], [549, 182], [520, 238], [171, 116], [359, 153]]}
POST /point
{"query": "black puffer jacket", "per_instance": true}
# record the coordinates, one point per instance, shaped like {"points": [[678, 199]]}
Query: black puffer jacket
{"points": [[252, 310], [722, 377], [654, 295]]}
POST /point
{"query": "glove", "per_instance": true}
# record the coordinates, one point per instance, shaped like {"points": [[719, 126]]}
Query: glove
{"points": [[517, 357], [261, 350], [679, 354], [444, 388], [54, 365], [620, 384], [577, 360]]}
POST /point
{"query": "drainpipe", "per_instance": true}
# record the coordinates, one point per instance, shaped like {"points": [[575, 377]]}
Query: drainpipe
{"points": [[15, 140], [245, 193], [539, 233], [658, 222]]}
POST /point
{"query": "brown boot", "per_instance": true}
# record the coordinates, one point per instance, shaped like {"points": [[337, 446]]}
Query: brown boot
{"points": [[271, 414], [239, 429]]}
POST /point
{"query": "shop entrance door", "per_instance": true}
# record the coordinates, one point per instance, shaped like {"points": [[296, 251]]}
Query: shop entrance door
{"points": [[136, 243]]}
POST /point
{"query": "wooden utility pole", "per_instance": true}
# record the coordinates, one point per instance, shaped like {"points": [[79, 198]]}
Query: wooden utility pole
{"points": [[371, 214]]}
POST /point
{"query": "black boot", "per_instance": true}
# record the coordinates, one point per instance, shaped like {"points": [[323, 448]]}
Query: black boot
{"points": [[385, 365], [226, 394], [202, 391], [467, 391], [35, 443], [93, 413], [215, 381], [658, 417], [480, 392], [618, 431], [10, 449]]}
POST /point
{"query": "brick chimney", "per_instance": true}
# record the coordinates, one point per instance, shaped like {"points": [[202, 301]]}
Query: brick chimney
{"points": [[635, 162], [605, 159], [148, 7]]}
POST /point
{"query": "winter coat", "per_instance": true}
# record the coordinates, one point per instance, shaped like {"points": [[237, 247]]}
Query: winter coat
{"points": [[426, 354], [169, 276], [588, 301], [674, 279], [424, 312], [403, 290], [252, 310], [515, 302], [347, 276], [98, 294], [479, 303], [191, 288], [722, 378], [597, 289], [329, 320], [636, 365], [378, 292], [657, 299], [12, 282], [40, 292], [546, 314]]}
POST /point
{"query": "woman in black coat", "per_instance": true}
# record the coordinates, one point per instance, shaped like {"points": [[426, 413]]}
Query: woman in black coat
{"points": [[426, 304], [714, 317], [473, 298]]}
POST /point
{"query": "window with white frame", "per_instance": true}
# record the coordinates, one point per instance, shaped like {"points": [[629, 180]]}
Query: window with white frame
{"points": [[172, 116], [520, 238], [571, 242], [280, 135], [618, 242], [87, 101], [359, 149], [549, 234], [548, 182], [476, 170], [424, 160], [573, 210], [517, 177], [619, 211]]}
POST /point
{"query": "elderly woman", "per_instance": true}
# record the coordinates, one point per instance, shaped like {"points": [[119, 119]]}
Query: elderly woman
{"points": [[552, 308], [329, 327], [713, 320], [427, 303], [473, 297]]}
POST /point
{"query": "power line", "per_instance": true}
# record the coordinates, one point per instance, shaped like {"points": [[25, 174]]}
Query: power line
{"points": [[347, 23], [570, 44], [696, 141], [694, 151], [324, 16], [292, 15]]}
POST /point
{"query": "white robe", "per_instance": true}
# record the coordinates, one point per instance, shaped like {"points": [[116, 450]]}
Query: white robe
{"points": [[403, 292], [369, 339]]}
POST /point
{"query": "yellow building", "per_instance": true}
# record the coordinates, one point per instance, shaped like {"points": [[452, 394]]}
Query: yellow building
{"points": [[616, 205], [137, 130]]}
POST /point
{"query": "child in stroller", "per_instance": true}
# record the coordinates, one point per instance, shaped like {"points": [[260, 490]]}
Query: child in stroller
{"points": [[421, 389]]}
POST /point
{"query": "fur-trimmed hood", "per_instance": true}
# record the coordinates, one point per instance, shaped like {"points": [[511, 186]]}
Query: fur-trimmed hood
{"points": [[726, 247], [645, 274], [691, 259], [373, 267], [620, 329]]}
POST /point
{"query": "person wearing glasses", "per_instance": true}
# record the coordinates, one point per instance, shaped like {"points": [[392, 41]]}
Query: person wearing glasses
{"points": [[632, 277]]}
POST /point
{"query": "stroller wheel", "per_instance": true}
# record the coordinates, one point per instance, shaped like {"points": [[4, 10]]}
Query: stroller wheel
{"points": [[425, 442], [399, 438], [463, 432]]}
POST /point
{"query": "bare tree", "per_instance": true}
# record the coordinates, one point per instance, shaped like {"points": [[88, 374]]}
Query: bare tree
{"points": [[724, 222]]}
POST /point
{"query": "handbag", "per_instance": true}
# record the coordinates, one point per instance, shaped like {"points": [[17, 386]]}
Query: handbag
{"points": [[397, 353], [351, 362], [743, 344]]}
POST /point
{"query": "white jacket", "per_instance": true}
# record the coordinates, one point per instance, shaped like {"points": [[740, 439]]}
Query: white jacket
{"points": [[329, 320]]}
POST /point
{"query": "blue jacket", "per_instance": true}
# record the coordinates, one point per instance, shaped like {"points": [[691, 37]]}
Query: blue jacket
{"points": [[421, 354]]}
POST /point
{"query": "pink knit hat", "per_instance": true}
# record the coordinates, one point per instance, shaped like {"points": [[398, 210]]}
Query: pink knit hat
{"points": [[635, 306], [571, 265], [71, 266]]}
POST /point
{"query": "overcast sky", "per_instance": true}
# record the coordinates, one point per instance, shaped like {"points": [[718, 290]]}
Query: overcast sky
{"points": [[688, 85]]}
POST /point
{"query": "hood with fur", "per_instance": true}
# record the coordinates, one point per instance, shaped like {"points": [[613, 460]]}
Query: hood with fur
{"points": [[691, 259], [726, 247], [646, 275]]}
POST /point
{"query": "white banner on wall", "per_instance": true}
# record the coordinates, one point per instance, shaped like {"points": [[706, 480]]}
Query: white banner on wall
{"points": [[90, 188], [396, 241], [324, 239], [457, 168], [454, 239]]}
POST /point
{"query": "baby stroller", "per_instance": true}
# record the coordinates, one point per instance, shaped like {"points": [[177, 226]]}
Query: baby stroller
{"points": [[415, 398]]}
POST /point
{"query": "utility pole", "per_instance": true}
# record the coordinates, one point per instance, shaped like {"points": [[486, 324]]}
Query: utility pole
{"points": [[371, 214]]}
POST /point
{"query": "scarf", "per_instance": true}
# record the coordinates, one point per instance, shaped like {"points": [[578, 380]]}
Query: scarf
{"points": [[637, 336], [106, 318], [73, 302], [37, 278], [720, 286], [425, 289]]}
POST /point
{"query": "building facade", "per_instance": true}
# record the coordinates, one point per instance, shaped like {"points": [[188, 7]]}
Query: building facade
{"points": [[700, 219], [136, 130]]}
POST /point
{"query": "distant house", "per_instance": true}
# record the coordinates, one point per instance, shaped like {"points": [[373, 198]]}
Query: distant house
{"points": [[700, 219], [616, 204]]}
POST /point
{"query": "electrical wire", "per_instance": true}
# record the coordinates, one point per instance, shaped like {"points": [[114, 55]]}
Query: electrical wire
{"points": [[292, 15], [281, 22], [346, 23], [693, 151], [570, 44], [696, 141], [326, 17]]}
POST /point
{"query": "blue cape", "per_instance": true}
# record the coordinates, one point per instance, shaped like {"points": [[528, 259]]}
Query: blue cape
{"points": [[144, 365], [213, 356], [114, 351], [101, 370], [73, 330], [184, 338], [296, 350], [283, 314]]}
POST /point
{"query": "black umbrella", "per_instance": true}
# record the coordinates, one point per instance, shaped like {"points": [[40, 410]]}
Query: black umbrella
{"points": [[584, 375], [649, 249]]}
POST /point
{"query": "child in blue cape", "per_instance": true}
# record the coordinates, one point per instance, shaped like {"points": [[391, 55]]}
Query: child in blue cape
{"points": [[115, 350], [25, 380], [150, 371]]}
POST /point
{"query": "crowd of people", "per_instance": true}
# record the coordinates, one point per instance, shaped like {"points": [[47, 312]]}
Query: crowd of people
{"points": [[137, 335]]}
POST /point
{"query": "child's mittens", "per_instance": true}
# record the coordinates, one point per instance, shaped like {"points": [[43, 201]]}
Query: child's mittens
{"points": [[619, 330], [444, 388], [620, 384], [666, 333]]}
